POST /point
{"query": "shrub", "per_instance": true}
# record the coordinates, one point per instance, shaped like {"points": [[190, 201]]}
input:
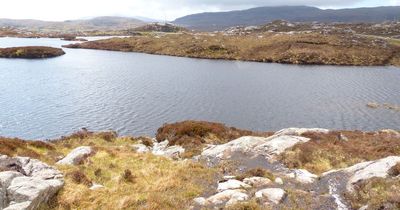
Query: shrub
{"points": [[395, 170], [79, 177], [127, 176]]}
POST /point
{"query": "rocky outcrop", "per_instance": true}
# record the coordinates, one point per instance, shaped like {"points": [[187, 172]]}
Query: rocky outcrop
{"points": [[160, 149], [25, 183], [268, 147], [367, 170], [77, 156], [257, 181], [300, 131], [227, 197]]}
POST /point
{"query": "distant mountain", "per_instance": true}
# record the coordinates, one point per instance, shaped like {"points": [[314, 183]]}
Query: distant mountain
{"points": [[261, 15], [98, 23]]}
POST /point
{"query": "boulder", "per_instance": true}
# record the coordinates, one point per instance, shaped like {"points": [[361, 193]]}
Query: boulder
{"points": [[257, 181], [300, 131], [226, 196], [76, 156], [26, 183], [231, 185], [302, 176], [274, 195]]}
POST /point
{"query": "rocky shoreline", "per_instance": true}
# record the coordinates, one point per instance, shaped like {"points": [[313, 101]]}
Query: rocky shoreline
{"points": [[34, 52], [202, 165]]}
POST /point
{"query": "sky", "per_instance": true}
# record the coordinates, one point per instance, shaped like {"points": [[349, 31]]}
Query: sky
{"points": [[59, 10]]}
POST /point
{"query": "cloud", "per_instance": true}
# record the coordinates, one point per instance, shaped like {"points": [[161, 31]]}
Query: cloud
{"points": [[158, 9]]}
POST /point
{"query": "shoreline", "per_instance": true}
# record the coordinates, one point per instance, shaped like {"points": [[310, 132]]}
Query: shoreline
{"points": [[334, 50]]}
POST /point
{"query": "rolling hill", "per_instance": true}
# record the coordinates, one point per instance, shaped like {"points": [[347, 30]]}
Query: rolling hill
{"points": [[260, 15], [98, 23]]}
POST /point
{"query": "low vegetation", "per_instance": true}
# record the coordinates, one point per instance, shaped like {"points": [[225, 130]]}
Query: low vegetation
{"points": [[131, 180], [300, 48], [30, 52], [256, 172], [340, 149], [377, 193]]}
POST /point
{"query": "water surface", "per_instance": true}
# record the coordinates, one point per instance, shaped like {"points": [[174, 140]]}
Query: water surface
{"points": [[135, 93]]}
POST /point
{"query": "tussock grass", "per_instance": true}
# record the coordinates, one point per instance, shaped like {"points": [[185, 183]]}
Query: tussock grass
{"points": [[328, 151]]}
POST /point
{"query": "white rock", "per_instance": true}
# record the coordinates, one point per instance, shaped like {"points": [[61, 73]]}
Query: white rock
{"points": [[279, 181], [303, 176], [300, 131], [162, 149], [141, 148], [274, 195], [76, 156], [257, 181], [34, 183], [367, 170], [229, 177], [231, 185], [226, 196], [391, 132], [242, 144], [96, 186], [200, 201], [278, 144]]}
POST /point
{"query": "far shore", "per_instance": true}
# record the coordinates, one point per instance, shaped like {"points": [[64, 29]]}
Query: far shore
{"points": [[303, 49]]}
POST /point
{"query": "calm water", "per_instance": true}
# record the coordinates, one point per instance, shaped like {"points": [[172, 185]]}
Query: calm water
{"points": [[136, 93]]}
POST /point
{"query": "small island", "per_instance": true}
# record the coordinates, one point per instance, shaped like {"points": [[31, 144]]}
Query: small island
{"points": [[33, 52]]}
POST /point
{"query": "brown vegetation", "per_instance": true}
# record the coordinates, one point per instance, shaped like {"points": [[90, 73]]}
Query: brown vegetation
{"points": [[30, 52], [18, 147], [314, 48], [340, 149]]}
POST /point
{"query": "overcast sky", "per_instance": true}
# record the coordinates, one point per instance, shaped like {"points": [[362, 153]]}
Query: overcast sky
{"points": [[157, 9]]}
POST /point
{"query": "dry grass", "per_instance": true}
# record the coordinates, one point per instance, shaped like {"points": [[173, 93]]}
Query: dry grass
{"points": [[264, 47], [256, 172], [327, 151], [135, 181], [131, 180]]}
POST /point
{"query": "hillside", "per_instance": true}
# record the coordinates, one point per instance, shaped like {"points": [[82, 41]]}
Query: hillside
{"points": [[203, 165], [105, 23], [261, 15]]}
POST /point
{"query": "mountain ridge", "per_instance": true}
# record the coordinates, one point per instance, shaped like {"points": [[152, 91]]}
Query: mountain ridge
{"points": [[261, 15]]}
